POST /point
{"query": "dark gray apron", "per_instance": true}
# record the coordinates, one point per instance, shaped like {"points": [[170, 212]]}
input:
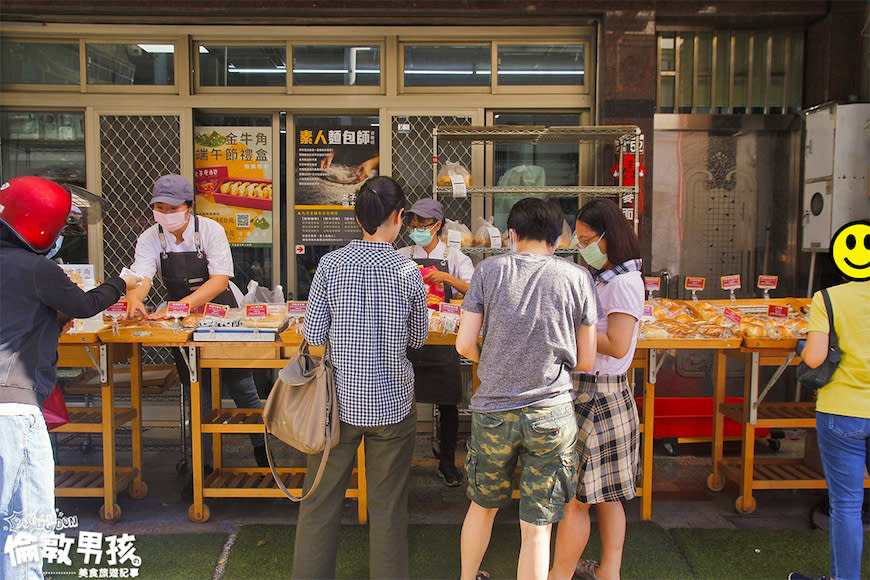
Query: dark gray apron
{"points": [[436, 367], [184, 272]]}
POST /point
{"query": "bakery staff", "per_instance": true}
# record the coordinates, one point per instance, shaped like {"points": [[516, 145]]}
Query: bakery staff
{"points": [[436, 368], [191, 254]]}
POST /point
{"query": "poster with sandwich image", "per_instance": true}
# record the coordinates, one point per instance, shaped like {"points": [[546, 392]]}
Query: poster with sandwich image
{"points": [[233, 181]]}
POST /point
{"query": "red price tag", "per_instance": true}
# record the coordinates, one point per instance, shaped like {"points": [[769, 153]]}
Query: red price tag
{"points": [[695, 283], [732, 315], [216, 310], [296, 308], [768, 282], [256, 310], [774, 311], [647, 311], [652, 283], [178, 309], [730, 282], [448, 308], [117, 309]]}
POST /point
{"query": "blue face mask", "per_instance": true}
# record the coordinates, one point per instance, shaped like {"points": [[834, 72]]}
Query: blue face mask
{"points": [[421, 236]]}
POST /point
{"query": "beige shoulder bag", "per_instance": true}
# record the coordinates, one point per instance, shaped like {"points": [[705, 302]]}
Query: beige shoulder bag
{"points": [[302, 410]]}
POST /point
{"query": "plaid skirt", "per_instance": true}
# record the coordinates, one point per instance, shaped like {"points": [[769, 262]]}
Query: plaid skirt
{"points": [[608, 441]]}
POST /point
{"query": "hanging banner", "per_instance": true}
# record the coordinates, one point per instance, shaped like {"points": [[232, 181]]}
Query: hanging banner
{"points": [[331, 165], [233, 181]]}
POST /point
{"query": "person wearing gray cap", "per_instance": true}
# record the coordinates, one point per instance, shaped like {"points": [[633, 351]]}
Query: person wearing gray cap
{"points": [[193, 259], [437, 378]]}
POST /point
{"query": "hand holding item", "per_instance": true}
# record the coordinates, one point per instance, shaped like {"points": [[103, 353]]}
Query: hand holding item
{"points": [[436, 277]]}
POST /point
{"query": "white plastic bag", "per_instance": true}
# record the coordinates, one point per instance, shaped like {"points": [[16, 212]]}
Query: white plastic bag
{"points": [[454, 231], [258, 295], [448, 169], [486, 234]]}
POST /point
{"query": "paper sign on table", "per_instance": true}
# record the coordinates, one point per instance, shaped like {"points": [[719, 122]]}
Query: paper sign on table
{"points": [[768, 282], [178, 309], [296, 308], [216, 310], [693, 283], [775, 311], [447, 308], [732, 315], [256, 310], [117, 309], [730, 282], [652, 283]]}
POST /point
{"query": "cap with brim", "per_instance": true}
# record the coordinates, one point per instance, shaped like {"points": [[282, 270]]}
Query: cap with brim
{"points": [[172, 189], [428, 208]]}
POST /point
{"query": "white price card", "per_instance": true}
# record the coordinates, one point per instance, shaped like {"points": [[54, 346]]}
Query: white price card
{"points": [[459, 188]]}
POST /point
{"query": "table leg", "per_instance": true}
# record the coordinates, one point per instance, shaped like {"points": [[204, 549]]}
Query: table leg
{"points": [[716, 482], [746, 503], [198, 512], [110, 511], [138, 489], [217, 453], [362, 502]]}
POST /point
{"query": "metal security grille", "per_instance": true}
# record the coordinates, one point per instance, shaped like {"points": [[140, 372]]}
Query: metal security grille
{"points": [[412, 161], [134, 151]]}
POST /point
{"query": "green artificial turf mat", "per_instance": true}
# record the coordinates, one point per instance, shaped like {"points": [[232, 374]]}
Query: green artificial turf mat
{"points": [[266, 551], [756, 554], [164, 557]]}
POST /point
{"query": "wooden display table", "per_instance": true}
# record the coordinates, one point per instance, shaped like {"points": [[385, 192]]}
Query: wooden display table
{"points": [[87, 350], [752, 413]]}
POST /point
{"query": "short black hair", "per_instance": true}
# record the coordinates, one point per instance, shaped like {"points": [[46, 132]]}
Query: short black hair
{"points": [[376, 200], [603, 215], [532, 218]]}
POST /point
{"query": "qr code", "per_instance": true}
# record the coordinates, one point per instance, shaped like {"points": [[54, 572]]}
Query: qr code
{"points": [[243, 220]]}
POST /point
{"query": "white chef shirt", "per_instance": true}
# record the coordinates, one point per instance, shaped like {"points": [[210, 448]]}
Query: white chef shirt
{"points": [[212, 240], [458, 264]]}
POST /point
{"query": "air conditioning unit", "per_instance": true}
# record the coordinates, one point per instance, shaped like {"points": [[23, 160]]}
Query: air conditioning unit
{"points": [[836, 166]]}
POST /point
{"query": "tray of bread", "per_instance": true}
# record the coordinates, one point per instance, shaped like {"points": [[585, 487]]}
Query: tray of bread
{"points": [[763, 323]]}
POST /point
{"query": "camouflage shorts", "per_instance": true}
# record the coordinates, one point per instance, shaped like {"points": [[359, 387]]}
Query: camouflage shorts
{"points": [[542, 440]]}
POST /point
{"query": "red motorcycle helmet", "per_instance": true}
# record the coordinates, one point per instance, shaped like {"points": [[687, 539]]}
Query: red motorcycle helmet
{"points": [[35, 209]]}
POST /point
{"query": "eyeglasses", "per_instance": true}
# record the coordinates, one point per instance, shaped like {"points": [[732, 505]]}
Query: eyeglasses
{"points": [[412, 223], [586, 242]]}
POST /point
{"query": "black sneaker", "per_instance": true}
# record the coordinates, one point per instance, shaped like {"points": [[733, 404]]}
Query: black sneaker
{"points": [[260, 455], [796, 576], [450, 475]]}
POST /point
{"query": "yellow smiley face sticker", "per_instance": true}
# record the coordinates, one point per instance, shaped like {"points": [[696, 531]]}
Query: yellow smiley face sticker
{"points": [[850, 250]]}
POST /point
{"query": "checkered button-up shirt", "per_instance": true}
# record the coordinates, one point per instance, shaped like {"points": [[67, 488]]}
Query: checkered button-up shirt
{"points": [[370, 303]]}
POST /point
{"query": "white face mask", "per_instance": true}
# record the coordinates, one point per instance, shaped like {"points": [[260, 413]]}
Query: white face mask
{"points": [[171, 221]]}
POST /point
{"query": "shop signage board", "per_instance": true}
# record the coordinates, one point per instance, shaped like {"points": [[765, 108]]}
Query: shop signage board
{"points": [[331, 165], [233, 181]]}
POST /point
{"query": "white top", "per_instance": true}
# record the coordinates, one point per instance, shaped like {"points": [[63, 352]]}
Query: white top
{"points": [[213, 241], [623, 294], [14, 409], [458, 264]]}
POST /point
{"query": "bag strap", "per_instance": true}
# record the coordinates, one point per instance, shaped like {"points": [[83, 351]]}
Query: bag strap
{"points": [[303, 346], [833, 342]]}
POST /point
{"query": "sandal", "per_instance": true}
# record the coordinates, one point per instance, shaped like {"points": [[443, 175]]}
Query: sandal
{"points": [[586, 570]]}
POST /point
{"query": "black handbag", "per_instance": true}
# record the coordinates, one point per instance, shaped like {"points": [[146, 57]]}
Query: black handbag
{"points": [[821, 375]]}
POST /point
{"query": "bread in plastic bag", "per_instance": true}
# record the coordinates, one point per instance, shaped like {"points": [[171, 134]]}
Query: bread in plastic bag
{"points": [[465, 237], [485, 234], [448, 169]]}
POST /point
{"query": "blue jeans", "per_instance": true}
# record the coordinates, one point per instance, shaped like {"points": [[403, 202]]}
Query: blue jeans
{"points": [[26, 488], [844, 444]]}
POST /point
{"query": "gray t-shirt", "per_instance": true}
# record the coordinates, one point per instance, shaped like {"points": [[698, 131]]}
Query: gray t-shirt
{"points": [[532, 306]]}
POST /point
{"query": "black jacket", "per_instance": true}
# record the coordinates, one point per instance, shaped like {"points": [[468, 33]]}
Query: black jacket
{"points": [[33, 290]]}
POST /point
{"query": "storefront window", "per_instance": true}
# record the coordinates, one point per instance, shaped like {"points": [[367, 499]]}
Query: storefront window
{"points": [[49, 144], [337, 66], [39, 63], [131, 64], [447, 66], [559, 162], [541, 65], [242, 66]]}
